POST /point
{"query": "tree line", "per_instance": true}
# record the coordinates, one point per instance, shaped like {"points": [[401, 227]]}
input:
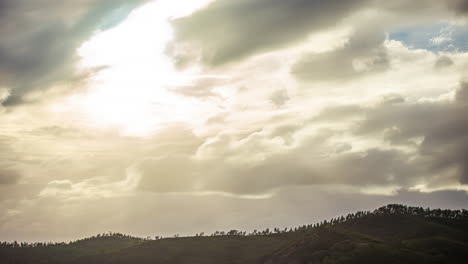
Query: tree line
{"points": [[391, 209], [74, 242]]}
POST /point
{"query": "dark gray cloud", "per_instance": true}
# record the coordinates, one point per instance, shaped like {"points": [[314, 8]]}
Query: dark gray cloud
{"points": [[374, 167], [40, 38], [226, 30], [442, 126], [363, 54], [460, 6]]}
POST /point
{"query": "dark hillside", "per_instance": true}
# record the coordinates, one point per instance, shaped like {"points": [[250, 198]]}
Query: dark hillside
{"points": [[390, 234], [222, 249], [60, 252], [388, 238]]}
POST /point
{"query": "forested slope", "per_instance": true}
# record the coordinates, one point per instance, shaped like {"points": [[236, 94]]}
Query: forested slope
{"points": [[390, 234]]}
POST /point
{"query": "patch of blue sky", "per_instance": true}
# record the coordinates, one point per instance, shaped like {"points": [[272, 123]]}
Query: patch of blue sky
{"points": [[441, 37]]}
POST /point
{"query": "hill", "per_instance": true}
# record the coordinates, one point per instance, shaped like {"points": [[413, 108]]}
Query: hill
{"points": [[390, 234]]}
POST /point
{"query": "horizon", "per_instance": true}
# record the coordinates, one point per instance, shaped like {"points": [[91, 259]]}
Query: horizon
{"points": [[240, 232], [170, 116]]}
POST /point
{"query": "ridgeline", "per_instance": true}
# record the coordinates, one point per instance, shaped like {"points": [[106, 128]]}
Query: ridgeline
{"points": [[390, 234]]}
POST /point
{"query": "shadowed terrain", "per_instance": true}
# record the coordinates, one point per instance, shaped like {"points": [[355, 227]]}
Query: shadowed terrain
{"points": [[390, 234]]}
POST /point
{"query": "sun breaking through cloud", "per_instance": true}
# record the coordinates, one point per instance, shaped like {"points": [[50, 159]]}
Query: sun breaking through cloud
{"points": [[154, 115]]}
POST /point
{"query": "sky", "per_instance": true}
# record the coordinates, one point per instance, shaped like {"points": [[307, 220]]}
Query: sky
{"points": [[170, 116]]}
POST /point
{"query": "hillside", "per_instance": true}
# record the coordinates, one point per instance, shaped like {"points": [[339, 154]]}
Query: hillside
{"points": [[390, 234]]}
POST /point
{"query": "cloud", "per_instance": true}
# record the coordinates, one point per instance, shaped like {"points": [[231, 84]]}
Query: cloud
{"points": [[460, 6], [9, 173], [260, 162], [9, 176], [92, 188], [202, 88], [279, 98], [227, 31], [428, 145], [41, 37], [440, 127], [317, 165], [168, 174], [363, 54], [381, 144], [461, 96], [344, 101], [168, 165], [443, 62]]}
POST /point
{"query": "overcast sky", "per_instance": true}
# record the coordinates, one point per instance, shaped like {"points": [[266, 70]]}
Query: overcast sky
{"points": [[171, 116]]}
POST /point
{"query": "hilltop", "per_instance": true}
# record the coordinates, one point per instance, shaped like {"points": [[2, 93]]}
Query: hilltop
{"points": [[390, 234]]}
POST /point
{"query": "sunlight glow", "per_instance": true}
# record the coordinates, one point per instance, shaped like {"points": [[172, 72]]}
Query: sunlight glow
{"points": [[132, 90]]}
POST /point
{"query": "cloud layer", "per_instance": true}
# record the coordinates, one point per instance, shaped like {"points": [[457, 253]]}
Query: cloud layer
{"points": [[239, 109], [226, 31]]}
